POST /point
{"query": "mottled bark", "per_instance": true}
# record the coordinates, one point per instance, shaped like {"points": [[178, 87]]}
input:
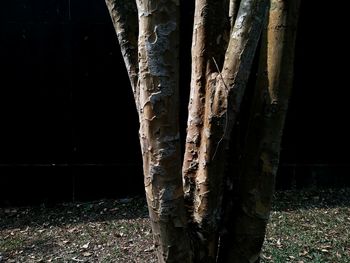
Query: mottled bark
{"points": [[261, 155], [222, 56], [159, 127], [209, 41], [214, 103], [153, 69]]}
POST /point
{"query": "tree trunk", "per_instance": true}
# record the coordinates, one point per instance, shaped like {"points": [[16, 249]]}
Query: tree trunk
{"points": [[261, 155], [210, 35], [156, 95], [213, 108], [186, 212]]}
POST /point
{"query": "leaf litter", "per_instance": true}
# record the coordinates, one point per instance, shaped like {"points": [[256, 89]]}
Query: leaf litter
{"points": [[305, 226]]}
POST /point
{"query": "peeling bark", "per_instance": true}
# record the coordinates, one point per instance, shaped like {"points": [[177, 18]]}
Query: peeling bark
{"points": [[186, 212], [214, 103], [210, 36], [261, 155], [208, 42], [149, 41], [159, 127]]}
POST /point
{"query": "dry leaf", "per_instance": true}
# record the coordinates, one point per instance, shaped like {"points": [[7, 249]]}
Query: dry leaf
{"points": [[86, 245], [303, 253], [87, 254]]}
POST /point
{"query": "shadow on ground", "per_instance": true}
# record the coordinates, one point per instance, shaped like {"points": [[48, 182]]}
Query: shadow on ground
{"points": [[73, 213], [132, 208]]}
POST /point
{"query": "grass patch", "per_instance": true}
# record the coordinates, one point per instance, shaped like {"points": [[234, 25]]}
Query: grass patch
{"points": [[309, 226], [305, 226]]}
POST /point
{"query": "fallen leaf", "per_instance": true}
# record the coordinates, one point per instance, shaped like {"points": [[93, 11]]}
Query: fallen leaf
{"points": [[303, 253], [72, 230], [77, 259], [326, 246], [87, 254], [267, 257], [86, 245], [278, 243], [150, 249]]}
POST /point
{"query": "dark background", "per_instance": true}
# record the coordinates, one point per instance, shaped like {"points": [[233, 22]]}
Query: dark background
{"points": [[69, 130]]}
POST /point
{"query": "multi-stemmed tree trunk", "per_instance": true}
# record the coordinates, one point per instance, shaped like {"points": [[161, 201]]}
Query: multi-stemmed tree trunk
{"points": [[184, 195], [260, 153]]}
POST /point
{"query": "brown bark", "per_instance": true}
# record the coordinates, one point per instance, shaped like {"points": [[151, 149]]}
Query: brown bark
{"points": [[261, 155], [159, 127], [209, 41], [154, 78], [214, 104], [222, 55]]}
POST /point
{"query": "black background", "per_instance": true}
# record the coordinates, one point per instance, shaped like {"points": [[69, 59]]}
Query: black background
{"points": [[69, 128]]}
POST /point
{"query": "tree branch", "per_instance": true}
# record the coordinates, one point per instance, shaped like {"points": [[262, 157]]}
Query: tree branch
{"points": [[124, 18], [233, 10]]}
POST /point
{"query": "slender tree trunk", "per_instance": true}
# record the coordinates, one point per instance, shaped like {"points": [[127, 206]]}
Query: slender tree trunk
{"points": [[261, 155], [156, 95]]}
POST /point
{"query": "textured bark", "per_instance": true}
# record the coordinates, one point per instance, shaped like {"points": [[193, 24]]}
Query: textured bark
{"points": [[261, 155], [124, 18], [222, 56], [153, 69], [209, 41], [214, 103], [159, 127]]}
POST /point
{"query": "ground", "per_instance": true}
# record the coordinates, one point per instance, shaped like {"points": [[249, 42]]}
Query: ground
{"points": [[305, 226]]}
